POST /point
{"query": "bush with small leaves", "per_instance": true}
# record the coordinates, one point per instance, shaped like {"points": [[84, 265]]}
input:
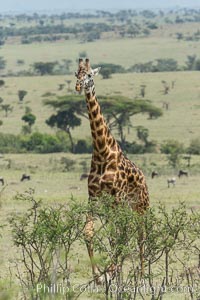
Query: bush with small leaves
{"points": [[194, 147], [44, 237]]}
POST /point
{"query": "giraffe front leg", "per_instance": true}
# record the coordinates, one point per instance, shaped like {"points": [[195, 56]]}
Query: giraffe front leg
{"points": [[141, 247], [141, 242], [89, 233]]}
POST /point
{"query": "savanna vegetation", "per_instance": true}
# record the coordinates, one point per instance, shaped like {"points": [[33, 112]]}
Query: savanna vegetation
{"points": [[149, 92]]}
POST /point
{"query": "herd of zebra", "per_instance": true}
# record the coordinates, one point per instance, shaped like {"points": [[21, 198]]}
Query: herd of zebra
{"points": [[24, 177], [170, 181]]}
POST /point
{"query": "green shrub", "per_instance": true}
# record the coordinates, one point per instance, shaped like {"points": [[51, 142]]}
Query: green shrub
{"points": [[43, 143], [83, 146], [173, 149], [36, 142], [2, 82], [133, 148], [26, 129], [165, 65], [158, 65], [151, 147], [172, 146], [194, 147], [44, 236], [10, 143]]}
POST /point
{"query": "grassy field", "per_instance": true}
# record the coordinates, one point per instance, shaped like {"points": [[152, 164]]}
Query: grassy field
{"points": [[180, 122], [125, 52], [54, 185]]}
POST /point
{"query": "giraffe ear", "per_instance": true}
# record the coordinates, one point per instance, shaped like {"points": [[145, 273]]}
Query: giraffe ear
{"points": [[95, 72]]}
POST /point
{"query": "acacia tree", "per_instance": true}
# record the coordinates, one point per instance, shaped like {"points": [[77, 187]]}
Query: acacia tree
{"points": [[117, 110], [22, 94], [68, 85], [191, 62], [142, 90], [65, 120], [28, 118], [6, 108], [142, 134]]}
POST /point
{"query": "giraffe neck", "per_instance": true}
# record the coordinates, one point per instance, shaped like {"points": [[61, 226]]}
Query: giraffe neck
{"points": [[103, 141]]}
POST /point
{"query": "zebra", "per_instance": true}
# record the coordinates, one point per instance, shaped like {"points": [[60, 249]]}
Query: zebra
{"points": [[182, 173], [171, 181], [153, 174], [25, 177], [2, 180], [83, 176]]}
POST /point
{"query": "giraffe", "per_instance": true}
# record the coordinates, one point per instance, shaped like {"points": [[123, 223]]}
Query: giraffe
{"points": [[111, 171]]}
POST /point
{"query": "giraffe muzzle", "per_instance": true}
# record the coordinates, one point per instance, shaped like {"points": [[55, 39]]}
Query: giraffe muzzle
{"points": [[78, 88]]}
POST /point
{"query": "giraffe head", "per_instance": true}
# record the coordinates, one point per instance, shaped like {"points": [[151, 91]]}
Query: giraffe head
{"points": [[85, 75]]}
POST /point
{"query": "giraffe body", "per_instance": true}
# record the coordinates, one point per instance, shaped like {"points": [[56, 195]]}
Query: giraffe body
{"points": [[111, 171], [118, 176]]}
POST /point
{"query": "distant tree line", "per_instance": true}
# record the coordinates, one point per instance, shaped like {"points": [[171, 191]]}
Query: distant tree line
{"points": [[43, 38], [188, 37], [87, 32], [123, 23], [107, 69]]}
